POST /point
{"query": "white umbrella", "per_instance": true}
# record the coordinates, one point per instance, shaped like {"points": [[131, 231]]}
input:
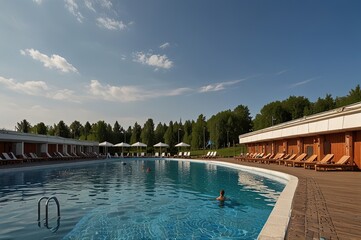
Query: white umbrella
{"points": [[160, 145], [106, 144], [139, 144], [123, 145], [182, 144]]}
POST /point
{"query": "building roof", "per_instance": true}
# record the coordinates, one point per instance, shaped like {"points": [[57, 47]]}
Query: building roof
{"points": [[13, 136], [342, 119]]}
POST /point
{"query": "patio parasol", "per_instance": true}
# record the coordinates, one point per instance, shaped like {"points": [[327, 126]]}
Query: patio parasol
{"points": [[160, 145], [123, 145]]}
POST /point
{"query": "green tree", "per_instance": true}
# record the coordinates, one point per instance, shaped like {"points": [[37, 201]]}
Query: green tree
{"points": [[117, 133], [147, 135], [62, 130], [136, 131], [51, 130], [243, 120], [100, 133], [169, 136], [187, 130], [159, 132], [86, 131], [296, 106], [41, 128], [128, 134], [75, 129], [24, 126], [323, 104], [199, 133], [353, 96], [271, 114]]}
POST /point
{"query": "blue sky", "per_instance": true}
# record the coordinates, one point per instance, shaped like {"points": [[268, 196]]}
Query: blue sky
{"points": [[170, 60]]}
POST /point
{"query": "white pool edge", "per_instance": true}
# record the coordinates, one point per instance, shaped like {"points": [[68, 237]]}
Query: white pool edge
{"points": [[277, 222]]}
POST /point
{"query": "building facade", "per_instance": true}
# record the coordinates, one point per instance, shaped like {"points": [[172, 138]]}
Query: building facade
{"points": [[337, 131], [20, 143]]}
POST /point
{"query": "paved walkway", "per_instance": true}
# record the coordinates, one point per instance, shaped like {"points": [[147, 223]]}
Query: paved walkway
{"points": [[327, 205]]}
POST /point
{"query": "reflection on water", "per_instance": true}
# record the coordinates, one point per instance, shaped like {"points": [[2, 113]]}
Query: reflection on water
{"points": [[255, 183]]}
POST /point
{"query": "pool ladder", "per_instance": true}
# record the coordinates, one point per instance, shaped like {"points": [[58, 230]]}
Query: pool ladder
{"points": [[46, 224]]}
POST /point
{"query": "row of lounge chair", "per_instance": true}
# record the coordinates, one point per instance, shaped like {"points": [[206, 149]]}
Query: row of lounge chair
{"points": [[210, 155], [11, 158], [183, 155], [310, 162]]}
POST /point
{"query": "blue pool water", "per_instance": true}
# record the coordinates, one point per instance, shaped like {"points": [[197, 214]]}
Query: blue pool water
{"points": [[110, 200]]}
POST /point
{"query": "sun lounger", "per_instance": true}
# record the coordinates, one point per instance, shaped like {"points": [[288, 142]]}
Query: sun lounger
{"points": [[255, 157], [213, 154], [324, 160], [11, 160], [241, 156], [210, 155], [274, 159], [341, 164], [207, 155], [282, 161], [301, 157], [62, 156], [267, 156], [35, 157], [312, 158]]}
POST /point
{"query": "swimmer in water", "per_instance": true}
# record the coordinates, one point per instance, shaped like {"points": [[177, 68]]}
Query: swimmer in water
{"points": [[149, 170], [221, 196]]}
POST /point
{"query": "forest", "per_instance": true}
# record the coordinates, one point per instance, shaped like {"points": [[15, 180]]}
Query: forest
{"points": [[219, 131]]}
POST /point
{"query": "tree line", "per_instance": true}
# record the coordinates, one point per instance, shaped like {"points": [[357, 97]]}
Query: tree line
{"points": [[220, 130]]}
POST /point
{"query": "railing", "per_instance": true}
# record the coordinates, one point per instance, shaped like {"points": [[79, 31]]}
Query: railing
{"points": [[46, 219]]}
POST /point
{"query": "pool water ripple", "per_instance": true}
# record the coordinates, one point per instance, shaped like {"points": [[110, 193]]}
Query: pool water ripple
{"points": [[109, 200]]}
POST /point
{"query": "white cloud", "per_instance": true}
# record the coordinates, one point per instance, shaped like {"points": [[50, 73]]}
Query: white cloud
{"points": [[89, 5], [282, 72], [30, 87], [73, 8], [129, 93], [38, 1], [55, 61], [165, 45], [63, 94], [110, 24], [106, 3], [38, 88], [302, 83], [218, 86], [158, 61]]}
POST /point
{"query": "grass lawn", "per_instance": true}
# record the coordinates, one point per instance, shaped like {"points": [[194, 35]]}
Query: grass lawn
{"points": [[223, 152]]}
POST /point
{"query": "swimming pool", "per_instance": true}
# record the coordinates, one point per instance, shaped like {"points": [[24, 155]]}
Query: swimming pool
{"points": [[110, 200]]}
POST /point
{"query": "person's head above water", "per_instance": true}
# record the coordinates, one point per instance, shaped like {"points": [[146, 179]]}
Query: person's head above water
{"points": [[221, 196]]}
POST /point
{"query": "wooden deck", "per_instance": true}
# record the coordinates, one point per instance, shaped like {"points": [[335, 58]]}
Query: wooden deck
{"points": [[326, 205]]}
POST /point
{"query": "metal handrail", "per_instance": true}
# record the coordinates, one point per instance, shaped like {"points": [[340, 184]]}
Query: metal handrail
{"points": [[46, 224]]}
